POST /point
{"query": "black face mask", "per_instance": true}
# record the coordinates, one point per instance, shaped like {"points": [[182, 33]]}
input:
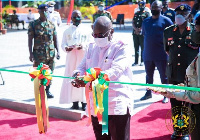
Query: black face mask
{"points": [[77, 21], [155, 12]]}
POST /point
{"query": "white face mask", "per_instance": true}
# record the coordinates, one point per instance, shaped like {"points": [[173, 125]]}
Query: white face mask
{"points": [[179, 19], [51, 9], [101, 8], [101, 42]]}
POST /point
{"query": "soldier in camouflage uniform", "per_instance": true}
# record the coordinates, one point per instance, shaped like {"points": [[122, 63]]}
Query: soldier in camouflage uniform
{"points": [[101, 12], [181, 50], [138, 38], [44, 35]]}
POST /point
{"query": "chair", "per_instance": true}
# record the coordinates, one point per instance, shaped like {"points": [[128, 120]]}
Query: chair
{"points": [[14, 20], [119, 20]]}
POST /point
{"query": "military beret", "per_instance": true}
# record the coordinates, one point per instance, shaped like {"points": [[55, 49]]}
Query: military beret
{"points": [[141, 3], [183, 7], [42, 6], [50, 3], [197, 20], [101, 4]]}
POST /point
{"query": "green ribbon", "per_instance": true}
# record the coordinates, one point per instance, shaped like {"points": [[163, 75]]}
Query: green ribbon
{"points": [[17, 71], [105, 94], [127, 83], [105, 112]]}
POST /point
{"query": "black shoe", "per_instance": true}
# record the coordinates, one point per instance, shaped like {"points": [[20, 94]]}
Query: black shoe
{"points": [[49, 95], [186, 137], [174, 137], [75, 106], [145, 97], [135, 64], [165, 100], [83, 106]]}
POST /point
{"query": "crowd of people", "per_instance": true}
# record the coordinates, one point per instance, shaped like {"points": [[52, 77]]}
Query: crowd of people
{"points": [[168, 41]]}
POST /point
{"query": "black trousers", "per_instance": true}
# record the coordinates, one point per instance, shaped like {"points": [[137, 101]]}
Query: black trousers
{"points": [[118, 127], [138, 41], [150, 68], [176, 103]]}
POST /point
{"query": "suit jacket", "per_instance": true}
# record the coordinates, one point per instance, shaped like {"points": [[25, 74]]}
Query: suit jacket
{"points": [[182, 50]]}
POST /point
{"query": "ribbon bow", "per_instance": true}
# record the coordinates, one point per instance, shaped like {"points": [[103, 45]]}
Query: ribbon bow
{"points": [[95, 81], [42, 72]]}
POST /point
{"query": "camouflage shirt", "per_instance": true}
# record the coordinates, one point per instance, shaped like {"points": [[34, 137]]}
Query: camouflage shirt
{"points": [[43, 33], [105, 13]]}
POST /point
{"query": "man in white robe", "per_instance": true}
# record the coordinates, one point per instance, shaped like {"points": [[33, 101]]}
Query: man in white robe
{"points": [[75, 41]]}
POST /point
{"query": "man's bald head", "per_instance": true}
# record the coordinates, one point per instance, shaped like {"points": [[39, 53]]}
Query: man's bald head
{"points": [[156, 9], [157, 3], [75, 12], [103, 23], [76, 17]]}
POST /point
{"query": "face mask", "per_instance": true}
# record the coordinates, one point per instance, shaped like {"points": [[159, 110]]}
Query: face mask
{"points": [[101, 8], [142, 9], [77, 21], [155, 12], [51, 9], [179, 19], [101, 42], [46, 14]]}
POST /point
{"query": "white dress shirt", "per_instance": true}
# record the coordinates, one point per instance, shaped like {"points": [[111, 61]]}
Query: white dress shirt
{"points": [[114, 60]]}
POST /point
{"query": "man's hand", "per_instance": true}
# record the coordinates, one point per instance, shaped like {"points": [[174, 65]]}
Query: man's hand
{"points": [[58, 56], [31, 58], [167, 94], [79, 47], [137, 31], [68, 49], [77, 82]]}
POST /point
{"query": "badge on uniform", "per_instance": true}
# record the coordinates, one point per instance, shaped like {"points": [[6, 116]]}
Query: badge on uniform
{"points": [[170, 41], [188, 37], [169, 14]]}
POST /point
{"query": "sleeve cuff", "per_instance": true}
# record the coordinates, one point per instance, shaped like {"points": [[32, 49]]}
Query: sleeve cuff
{"points": [[179, 95]]}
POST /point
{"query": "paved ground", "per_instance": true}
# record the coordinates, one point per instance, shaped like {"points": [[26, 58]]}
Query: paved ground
{"points": [[18, 88]]}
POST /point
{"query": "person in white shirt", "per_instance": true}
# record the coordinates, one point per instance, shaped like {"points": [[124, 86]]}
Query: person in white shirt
{"points": [[75, 41], [53, 16], [145, 8], [113, 58], [30, 16]]}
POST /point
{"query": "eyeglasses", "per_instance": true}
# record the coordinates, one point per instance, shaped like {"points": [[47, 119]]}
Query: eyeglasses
{"points": [[100, 35]]}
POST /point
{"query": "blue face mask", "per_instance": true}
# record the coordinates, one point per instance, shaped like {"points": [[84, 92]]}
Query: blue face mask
{"points": [[179, 19], [46, 14]]}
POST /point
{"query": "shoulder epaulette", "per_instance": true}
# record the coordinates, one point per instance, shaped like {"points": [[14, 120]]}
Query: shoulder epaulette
{"points": [[107, 12], [172, 9], [170, 27]]}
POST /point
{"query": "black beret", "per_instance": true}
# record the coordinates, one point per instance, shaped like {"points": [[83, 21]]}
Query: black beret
{"points": [[197, 20], [183, 7], [42, 6]]}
